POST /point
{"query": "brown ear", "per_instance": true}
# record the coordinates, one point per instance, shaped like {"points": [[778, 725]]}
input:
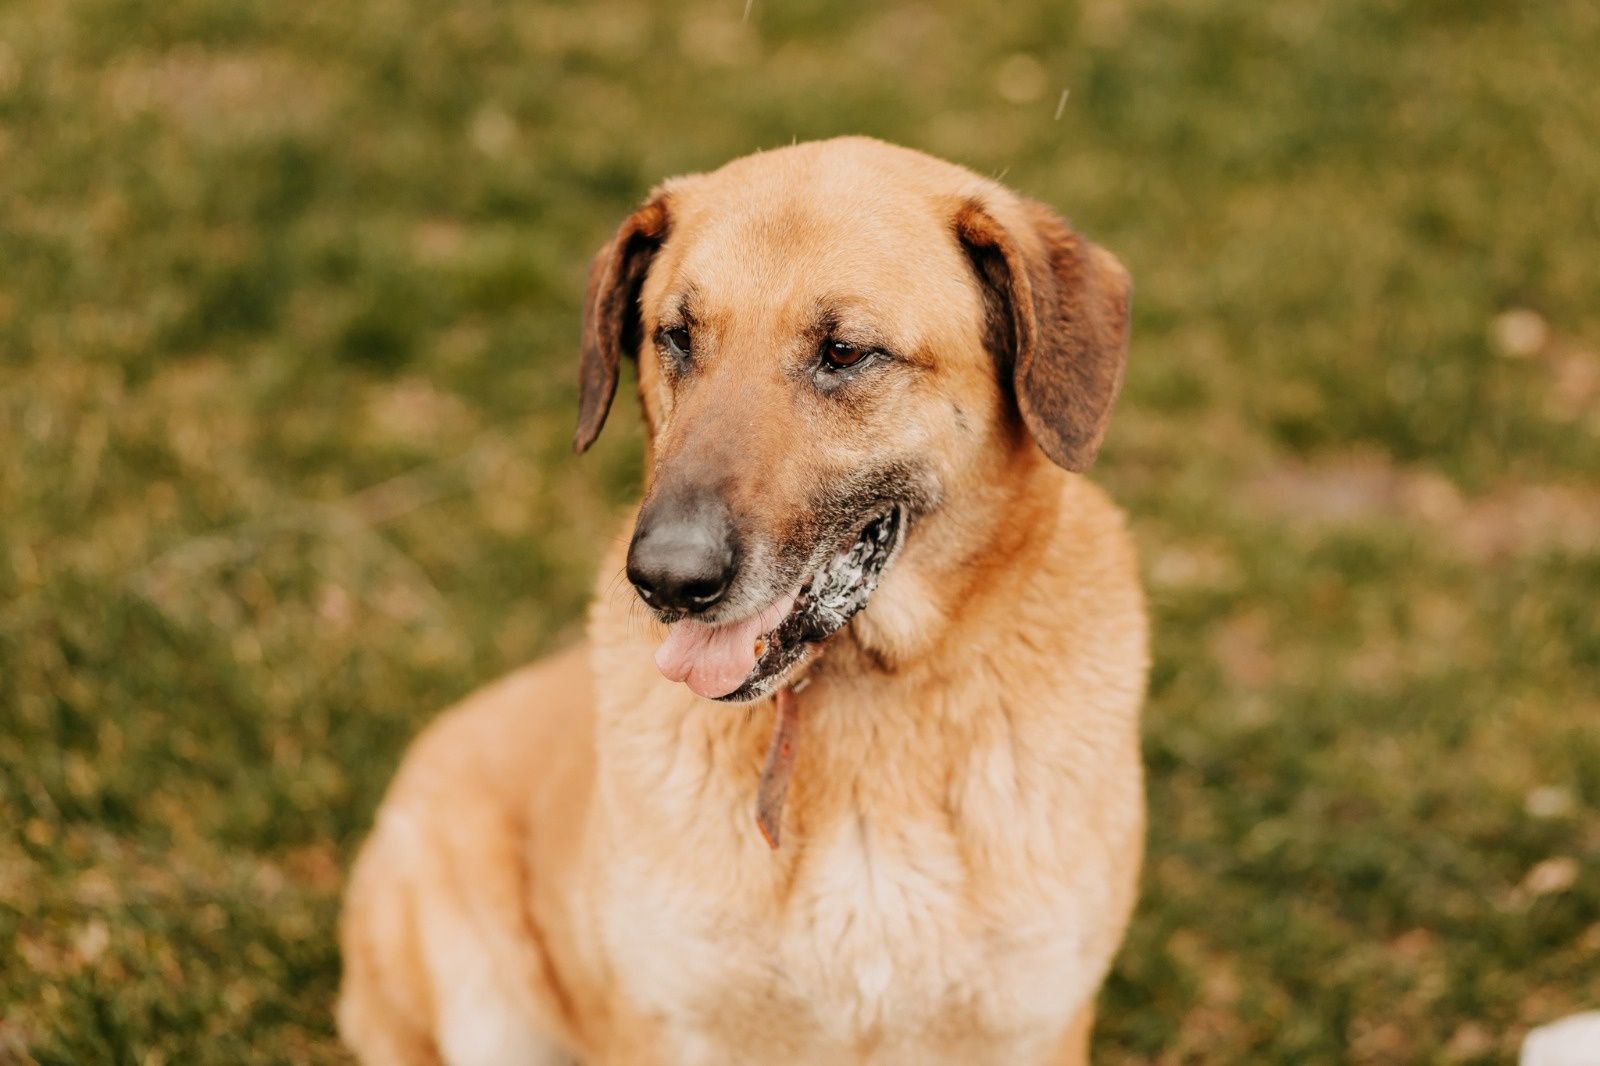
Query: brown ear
{"points": [[1057, 309], [611, 312]]}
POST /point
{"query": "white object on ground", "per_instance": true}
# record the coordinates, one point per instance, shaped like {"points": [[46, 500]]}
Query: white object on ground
{"points": [[1573, 1041]]}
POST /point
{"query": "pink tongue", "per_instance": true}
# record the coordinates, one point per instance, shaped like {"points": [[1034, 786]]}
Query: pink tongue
{"points": [[715, 660]]}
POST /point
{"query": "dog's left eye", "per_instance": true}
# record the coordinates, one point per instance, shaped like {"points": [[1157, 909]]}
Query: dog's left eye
{"points": [[842, 355], [677, 342]]}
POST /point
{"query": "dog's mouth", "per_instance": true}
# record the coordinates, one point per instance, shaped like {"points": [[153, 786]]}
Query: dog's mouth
{"points": [[745, 660]]}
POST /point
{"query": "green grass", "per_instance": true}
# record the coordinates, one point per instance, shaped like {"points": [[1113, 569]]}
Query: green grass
{"points": [[288, 320]]}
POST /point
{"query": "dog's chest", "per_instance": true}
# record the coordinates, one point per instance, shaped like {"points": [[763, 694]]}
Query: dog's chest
{"points": [[883, 947]]}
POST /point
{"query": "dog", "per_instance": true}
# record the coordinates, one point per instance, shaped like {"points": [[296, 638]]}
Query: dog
{"points": [[867, 572]]}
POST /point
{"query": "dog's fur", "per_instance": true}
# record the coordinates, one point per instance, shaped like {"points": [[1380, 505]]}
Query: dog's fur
{"points": [[566, 868]]}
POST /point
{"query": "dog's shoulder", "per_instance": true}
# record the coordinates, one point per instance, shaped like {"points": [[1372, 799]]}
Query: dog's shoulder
{"points": [[492, 737]]}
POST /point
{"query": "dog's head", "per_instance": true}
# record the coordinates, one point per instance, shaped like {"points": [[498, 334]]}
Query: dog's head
{"points": [[839, 344]]}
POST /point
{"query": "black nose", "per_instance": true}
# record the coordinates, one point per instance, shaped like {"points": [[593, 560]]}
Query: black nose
{"points": [[683, 555]]}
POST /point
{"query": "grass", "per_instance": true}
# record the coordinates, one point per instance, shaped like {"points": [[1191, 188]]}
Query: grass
{"points": [[288, 318]]}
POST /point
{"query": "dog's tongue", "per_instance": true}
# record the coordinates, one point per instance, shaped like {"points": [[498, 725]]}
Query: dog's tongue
{"points": [[714, 660]]}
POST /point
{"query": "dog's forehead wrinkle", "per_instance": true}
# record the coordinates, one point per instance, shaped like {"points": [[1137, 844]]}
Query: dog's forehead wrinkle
{"points": [[788, 248], [771, 292], [683, 302]]}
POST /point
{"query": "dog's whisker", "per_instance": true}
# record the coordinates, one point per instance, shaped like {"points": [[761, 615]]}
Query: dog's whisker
{"points": [[617, 580]]}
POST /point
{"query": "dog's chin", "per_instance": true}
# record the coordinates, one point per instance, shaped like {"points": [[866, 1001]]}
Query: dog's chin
{"points": [[834, 594]]}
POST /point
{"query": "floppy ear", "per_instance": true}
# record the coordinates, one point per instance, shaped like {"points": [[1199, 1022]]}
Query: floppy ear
{"points": [[1057, 310], [611, 312]]}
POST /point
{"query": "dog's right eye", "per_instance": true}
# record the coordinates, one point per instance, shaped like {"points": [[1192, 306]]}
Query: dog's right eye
{"points": [[676, 341]]}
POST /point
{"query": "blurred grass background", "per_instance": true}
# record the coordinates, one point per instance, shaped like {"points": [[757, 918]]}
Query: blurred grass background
{"points": [[288, 320]]}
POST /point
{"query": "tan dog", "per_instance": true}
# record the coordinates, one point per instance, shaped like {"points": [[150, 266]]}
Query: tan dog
{"points": [[865, 372]]}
